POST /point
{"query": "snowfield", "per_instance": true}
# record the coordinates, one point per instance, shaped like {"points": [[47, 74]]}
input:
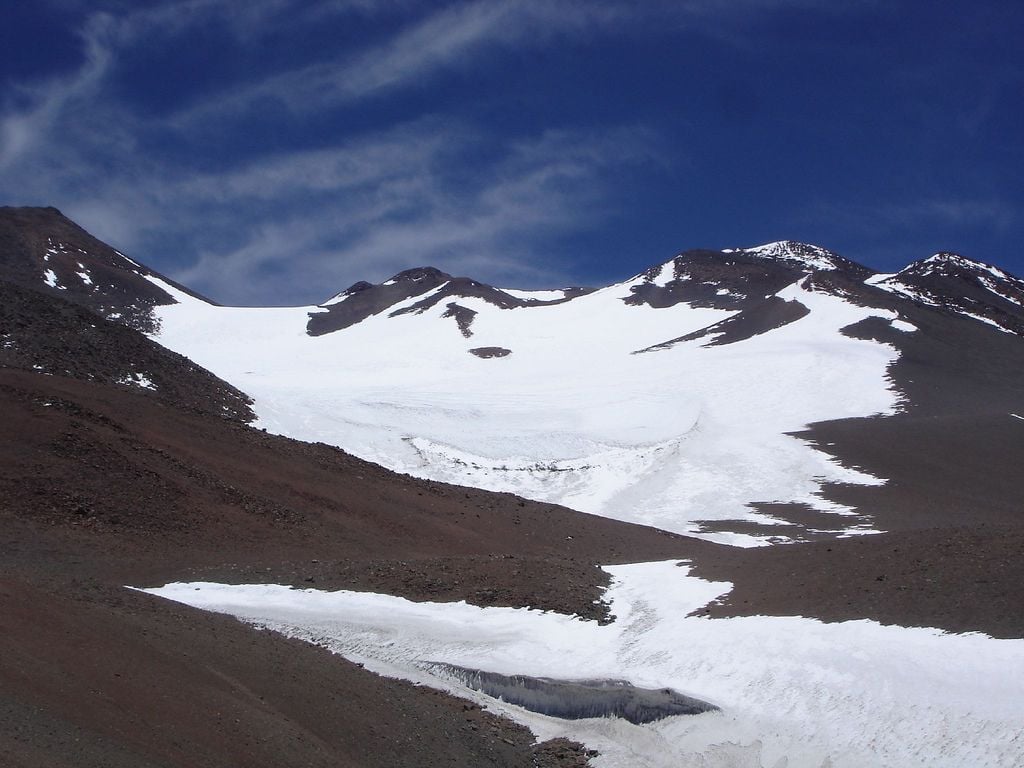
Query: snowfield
{"points": [[792, 691], [667, 438]]}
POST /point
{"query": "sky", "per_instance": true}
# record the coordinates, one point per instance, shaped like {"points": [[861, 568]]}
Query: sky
{"points": [[274, 152]]}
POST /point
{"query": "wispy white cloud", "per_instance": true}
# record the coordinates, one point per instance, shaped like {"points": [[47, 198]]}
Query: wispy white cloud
{"points": [[30, 122], [450, 36], [399, 209], [885, 217], [297, 223], [454, 36]]}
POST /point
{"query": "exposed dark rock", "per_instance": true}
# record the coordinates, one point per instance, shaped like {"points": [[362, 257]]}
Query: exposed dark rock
{"points": [[463, 317], [39, 246], [955, 284], [734, 280], [363, 299], [489, 352], [579, 699], [769, 314], [48, 334], [463, 287]]}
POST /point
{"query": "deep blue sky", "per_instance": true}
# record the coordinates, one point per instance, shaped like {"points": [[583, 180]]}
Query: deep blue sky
{"points": [[275, 151]]}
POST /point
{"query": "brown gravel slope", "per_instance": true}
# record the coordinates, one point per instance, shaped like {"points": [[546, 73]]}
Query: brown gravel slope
{"points": [[963, 579], [95, 676]]}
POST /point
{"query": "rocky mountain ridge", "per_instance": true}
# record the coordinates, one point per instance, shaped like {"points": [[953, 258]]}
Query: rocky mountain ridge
{"points": [[45, 251]]}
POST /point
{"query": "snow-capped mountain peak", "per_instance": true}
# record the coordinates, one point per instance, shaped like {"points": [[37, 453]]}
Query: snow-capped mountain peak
{"points": [[804, 255], [947, 261], [412, 281], [431, 287], [963, 286], [739, 278]]}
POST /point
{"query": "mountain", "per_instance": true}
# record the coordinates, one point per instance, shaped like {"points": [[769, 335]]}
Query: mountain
{"points": [[669, 399], [732, 395], [43, 250], [779, 394], [56, 337], [432, 286], [962, 286]]}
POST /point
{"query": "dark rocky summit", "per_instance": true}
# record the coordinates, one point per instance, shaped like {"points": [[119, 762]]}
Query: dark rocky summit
{"points": [[42, 250]]}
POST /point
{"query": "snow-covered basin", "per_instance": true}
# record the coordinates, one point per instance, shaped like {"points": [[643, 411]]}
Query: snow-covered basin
{"points": [[664, 438], [793, 691]]}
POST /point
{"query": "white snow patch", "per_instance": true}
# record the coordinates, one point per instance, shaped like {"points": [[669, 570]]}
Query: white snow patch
{"points": [[130, 261], [557, 295], [895, 286], [983, 319], [879, 278], [665, 275], [969, 264], [812, 256], [83, 274], [335, 299], [994, 287], [1017, 416], [137, 380], [903, 325], [50, 278], [792, 691]]}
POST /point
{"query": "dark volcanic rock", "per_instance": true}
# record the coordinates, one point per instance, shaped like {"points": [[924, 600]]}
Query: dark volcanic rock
{"points": [[463, 287], [737, 279], [956, 284], [47, 334], [964, 579], [489, 352], [42, 250], [463, 317], [769, 314], [363, 299]]}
